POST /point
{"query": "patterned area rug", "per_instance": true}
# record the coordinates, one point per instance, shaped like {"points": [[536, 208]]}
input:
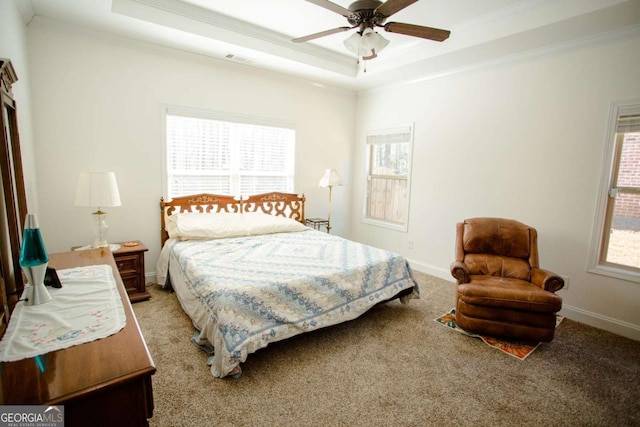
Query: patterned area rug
{"points": [[516, 349]]}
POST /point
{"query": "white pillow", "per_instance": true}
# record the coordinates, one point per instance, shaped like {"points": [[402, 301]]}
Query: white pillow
{"points": [[196, 225], [260, 223]]}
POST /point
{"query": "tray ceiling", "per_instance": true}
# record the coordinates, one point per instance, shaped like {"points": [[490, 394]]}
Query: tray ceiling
{"points": [[258, 33]]}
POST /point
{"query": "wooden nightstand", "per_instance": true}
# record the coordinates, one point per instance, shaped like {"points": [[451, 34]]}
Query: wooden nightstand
{"points": [[318, 223], [130, 262]]}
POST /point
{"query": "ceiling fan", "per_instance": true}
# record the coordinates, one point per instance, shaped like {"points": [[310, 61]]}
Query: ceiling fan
{"points": [[365, 15]]}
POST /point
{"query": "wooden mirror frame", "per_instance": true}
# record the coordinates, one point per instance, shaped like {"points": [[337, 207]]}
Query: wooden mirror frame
{"points": [[13, 199]]}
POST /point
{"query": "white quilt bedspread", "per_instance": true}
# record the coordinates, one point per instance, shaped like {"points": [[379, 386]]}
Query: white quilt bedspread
{"points": [[243, 293]]}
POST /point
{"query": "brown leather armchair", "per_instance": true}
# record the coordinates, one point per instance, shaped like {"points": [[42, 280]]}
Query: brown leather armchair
{"points": [[501, 290]]}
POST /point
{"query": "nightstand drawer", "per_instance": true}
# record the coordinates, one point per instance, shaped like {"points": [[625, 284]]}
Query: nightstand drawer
{"points": [[131, 282], [129, 264]]}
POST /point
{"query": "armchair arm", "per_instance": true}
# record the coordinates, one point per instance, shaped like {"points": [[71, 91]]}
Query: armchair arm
{"points": [[460, 271], [546, 280]]}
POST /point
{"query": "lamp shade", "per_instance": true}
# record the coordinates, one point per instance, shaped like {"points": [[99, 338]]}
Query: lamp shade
{"points": [[353, 43], [366, 45], [97, 189], [372, 41], [331, 178]]}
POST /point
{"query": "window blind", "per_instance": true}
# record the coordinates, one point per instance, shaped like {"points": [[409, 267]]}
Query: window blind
{"points": [[628, 124], [208, 155], [389, 136]]}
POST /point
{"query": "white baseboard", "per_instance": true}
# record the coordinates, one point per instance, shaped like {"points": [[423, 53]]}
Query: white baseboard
{"points": [[431, 270], [150, 278], [618, 327], [599, 321]]}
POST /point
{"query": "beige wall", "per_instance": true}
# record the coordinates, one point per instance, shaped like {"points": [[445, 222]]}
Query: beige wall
{"points": [[100, 107], [522, 141]]}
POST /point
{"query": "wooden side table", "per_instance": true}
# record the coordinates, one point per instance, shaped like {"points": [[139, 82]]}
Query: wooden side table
{"points": [[130, 261], [317, 223]]}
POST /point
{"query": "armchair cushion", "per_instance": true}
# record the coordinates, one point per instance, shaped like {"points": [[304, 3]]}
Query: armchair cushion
{"points": [[497, 265], [492, 291]]}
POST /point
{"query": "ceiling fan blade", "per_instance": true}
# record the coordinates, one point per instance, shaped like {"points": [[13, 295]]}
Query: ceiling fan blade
{"points": [[321, 34], [332, 7], [390, 7], [417, 31]]}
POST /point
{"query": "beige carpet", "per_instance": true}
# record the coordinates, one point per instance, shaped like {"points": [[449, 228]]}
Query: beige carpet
{"points": [[394, 366]]}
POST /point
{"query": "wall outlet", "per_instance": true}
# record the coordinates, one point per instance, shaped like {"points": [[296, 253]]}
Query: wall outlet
{"points": [[410, 244], [566, 281]]}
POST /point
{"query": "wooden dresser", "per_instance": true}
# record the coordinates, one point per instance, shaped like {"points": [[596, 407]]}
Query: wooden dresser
{"points": [[106, 382]]}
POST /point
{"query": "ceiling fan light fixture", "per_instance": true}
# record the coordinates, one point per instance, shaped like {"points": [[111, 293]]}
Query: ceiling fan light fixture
{"points": [[352, 43], [367, 45], [372, 41]]}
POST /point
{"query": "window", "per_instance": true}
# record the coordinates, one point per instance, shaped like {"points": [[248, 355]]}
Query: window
{"points": [[388, 171], [223, 154], [616, 251]]}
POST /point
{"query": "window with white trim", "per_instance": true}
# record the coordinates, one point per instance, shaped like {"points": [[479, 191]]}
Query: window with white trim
{"points": [[225, 154], [616, 247], [388, 177]]}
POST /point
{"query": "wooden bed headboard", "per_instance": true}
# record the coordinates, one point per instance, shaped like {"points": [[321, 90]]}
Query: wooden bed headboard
{"points": [[279, 204]]}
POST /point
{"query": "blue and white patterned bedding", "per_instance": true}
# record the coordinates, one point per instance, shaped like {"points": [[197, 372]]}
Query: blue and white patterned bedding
{"points": [[255, 290]]}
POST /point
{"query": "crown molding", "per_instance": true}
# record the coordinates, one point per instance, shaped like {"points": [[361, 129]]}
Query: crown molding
{"points": [[592, 41], [527, 15], [320, 80], [186, 17]]}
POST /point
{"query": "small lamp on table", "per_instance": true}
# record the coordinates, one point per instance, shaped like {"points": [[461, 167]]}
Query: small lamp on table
{"points": [[98, 189]]}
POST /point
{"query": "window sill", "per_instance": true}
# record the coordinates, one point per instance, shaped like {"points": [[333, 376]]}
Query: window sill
{"points": [[383, 224], [616, 272]]}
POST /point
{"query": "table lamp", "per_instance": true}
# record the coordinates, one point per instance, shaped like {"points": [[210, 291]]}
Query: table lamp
{"points": [[98, 189], [34, 260], [330, 179]]}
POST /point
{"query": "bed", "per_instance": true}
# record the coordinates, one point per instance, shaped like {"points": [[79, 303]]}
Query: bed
{"points": [[248, 272]]}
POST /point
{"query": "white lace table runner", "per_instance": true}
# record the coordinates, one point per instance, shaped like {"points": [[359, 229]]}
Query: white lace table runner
{"points": [[87, 307]]}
